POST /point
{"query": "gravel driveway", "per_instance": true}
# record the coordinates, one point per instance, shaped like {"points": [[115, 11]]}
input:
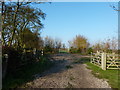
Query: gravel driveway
{"points": [[65, 74]]}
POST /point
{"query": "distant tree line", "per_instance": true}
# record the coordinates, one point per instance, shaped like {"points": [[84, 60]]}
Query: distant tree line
{"points": [[80, 44], [108, 45], [53, 45]]}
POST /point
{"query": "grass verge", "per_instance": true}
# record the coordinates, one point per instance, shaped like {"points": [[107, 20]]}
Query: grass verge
{"points": [[26, 74], [110, 75]]}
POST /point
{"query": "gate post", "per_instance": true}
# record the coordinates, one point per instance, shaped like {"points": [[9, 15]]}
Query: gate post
{"points": [[91, 57], [103, 61], [42, 52]]}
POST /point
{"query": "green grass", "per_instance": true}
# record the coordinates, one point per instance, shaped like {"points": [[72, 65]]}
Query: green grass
{"points": [[63, 51], [110, 75], [26, 74]]}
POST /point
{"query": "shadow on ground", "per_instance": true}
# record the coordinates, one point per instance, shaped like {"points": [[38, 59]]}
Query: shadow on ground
{"points": [[57, 63], [82, 60], [63, 63]]}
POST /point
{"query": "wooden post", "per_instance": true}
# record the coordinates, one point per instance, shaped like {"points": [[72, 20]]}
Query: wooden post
{"points": [[91, 57], [34, 51], [42, 52], [24, 51], [103, 61]]}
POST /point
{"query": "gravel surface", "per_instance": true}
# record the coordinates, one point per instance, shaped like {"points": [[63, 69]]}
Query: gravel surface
{"points": [[65, 74]]}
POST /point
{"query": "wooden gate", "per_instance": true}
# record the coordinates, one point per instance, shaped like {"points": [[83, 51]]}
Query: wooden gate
{"points": [[106, 60], [112, 60], [96, 59]]}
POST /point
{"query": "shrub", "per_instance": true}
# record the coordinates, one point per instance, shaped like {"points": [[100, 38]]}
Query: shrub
{"points": [[13, 58], [89, 50], [17, 59], [73, 50]]}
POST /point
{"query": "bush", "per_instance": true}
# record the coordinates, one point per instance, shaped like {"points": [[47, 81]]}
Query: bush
{"points": [[13, 58], [48, 49], [89, 50], [16, 59], [73, 50], [79, 50]]}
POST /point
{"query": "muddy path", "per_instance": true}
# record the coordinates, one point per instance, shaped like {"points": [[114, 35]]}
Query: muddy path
{"points": [[65, 74]]}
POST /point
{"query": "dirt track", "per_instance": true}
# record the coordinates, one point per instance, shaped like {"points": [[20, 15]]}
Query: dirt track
{"points": [[78, 76]]}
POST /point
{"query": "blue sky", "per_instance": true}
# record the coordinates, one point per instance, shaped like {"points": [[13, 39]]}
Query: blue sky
{"points": [[94, 20]]}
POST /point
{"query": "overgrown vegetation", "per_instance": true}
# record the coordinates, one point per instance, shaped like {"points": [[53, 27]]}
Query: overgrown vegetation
{"points": [[22, 44], [110, 75], [21, 26], [26, 73]]}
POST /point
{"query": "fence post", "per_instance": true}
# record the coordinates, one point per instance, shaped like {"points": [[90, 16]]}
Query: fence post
{"points": [[34, 51], [103, 61], [24, 51], [91, 57], [42, 52]]}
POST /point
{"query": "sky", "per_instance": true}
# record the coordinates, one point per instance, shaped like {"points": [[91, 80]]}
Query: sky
{"points": [[96, 21]]}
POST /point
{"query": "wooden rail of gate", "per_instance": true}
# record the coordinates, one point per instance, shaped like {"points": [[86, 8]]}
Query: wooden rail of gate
{"points": [[106, 60], [96, 58]]}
